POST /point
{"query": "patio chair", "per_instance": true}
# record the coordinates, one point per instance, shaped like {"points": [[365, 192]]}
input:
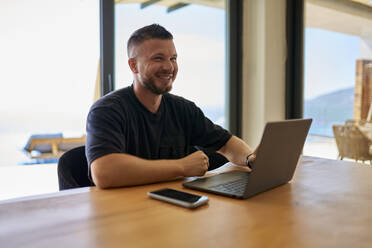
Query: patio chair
{"points": [[351, 143], [351, 122], [51, 145]]}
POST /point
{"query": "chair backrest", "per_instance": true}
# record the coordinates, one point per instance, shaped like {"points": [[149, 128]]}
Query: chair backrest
{"points": [[369, 116], [73, 169], [351, 143], [354, 122]]}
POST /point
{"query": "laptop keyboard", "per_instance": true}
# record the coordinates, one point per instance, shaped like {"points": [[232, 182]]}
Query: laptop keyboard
{"points": [[236, 187]]}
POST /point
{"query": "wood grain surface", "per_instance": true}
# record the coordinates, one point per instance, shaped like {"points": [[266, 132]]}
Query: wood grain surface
{"points": [[328, 204]]}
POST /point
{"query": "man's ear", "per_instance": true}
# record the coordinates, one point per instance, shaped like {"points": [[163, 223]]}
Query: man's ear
{"points": [[133, 65]]}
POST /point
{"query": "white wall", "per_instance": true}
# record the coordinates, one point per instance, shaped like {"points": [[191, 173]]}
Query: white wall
{"points": [[264, 57]]}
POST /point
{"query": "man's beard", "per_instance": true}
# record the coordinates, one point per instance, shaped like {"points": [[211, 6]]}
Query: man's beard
{"points": [[150, 85]]}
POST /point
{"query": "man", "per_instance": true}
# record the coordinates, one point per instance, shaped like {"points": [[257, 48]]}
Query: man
{"points": [[142, 134]]}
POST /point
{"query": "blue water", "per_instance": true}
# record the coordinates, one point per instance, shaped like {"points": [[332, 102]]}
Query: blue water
{"points": [[39, 161], [318, 128], [321, 130]]}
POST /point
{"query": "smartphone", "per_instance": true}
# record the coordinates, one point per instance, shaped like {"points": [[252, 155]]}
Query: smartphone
{"points": [[177, 197]]}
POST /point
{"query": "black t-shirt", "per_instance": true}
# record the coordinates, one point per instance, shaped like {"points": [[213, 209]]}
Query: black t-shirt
{"points": [[119, 123]]}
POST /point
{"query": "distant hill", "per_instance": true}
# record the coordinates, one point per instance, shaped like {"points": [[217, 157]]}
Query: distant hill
{"points": [[326, 110], [329, 109]]}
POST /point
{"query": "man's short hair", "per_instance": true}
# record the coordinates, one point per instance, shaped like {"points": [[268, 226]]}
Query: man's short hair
{"points": [[153, 31]]}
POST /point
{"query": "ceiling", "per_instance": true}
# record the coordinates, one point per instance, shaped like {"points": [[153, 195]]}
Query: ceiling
{"points": [[352, 17], [176, 4], [366, 2], [348, 17], [211, 3]]}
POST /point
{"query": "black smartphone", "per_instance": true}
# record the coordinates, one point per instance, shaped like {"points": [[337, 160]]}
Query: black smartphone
{"points": [[177, 197]]}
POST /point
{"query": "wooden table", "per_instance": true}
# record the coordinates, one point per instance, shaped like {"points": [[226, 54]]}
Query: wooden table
{"points": [[328, 204]]}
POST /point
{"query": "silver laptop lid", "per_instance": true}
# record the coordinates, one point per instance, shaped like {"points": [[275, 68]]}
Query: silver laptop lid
{"points": [[278, 154]]}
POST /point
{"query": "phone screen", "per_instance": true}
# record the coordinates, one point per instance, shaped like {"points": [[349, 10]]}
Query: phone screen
{"points": [[179, 195]]}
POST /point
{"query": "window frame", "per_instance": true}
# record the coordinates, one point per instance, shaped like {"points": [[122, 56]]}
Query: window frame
{"points": [[233, 110], [294, 105]]}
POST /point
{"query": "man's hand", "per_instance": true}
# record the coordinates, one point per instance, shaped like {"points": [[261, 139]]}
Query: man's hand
{"points": [[195, 164], [236, 151], [251, 157]]}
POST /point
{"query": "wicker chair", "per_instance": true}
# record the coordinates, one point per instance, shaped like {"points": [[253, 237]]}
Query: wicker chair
{"points": [[351, 122], [351, 143]]}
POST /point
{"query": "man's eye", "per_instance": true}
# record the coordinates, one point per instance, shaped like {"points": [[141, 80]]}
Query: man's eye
{"points": [[158, 58], [174, 59]]}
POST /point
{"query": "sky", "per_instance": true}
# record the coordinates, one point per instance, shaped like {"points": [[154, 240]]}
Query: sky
{"points": [[330, 61], [48, 63]]}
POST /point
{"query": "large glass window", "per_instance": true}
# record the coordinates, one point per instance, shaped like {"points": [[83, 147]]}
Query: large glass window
{"points": [[49, 59], [337, 36], [199, 36]]}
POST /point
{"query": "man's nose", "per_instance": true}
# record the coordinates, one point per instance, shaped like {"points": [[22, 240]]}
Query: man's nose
{"points": [[168, 65]]}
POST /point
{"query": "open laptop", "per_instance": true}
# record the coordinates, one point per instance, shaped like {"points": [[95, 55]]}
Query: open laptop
{"points": [[276, 160]]}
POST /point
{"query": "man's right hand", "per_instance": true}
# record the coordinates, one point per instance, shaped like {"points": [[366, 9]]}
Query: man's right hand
{"points": [[195, 164]]}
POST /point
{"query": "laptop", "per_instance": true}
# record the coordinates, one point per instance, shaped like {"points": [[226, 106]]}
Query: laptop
{"points": [[276, 160]]}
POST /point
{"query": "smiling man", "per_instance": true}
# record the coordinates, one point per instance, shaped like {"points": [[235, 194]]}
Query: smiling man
{"points": [[143, 134]]}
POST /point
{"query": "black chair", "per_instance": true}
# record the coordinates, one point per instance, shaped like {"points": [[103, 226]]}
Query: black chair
{"points": [[73, 169]]}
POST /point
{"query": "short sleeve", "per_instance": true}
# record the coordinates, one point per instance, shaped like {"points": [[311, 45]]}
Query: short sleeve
{"points": [[105, 133], [207, 134]]}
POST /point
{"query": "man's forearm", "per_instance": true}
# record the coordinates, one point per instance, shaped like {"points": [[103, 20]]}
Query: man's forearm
{"points": [[115, 170], [236, 150]]}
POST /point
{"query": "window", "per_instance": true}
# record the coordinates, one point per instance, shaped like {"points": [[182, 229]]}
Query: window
{"points": [[337, 36], [49, 59], [199, 36]]}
